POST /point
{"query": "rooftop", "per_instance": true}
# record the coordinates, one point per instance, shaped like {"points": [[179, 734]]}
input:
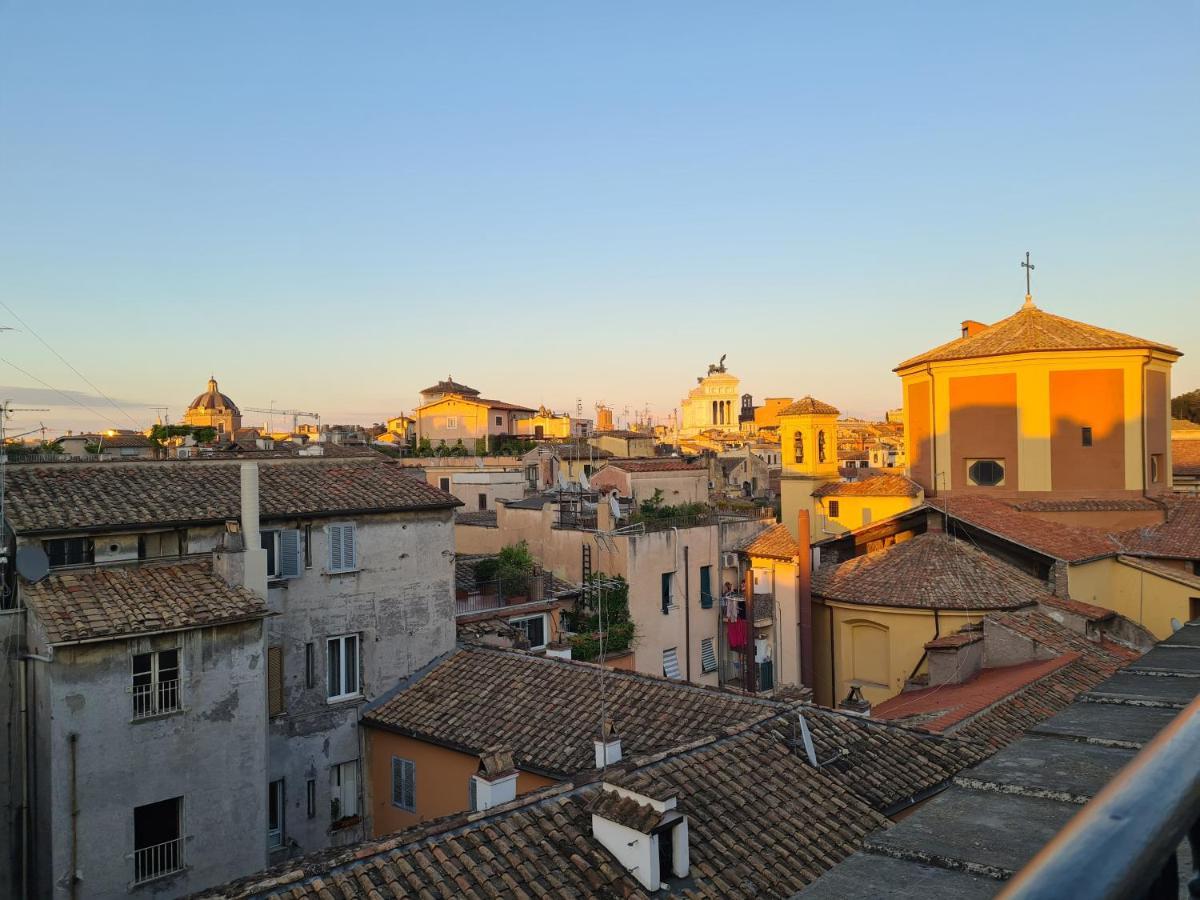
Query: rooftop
{"points": [[46, 499], [1185, 458], [109, 603], [450, 386], [929, 571], [808, 406], [1032, 330], [1058, 540], [213, 400], [665, 464], [775, 542], [883, 485]]}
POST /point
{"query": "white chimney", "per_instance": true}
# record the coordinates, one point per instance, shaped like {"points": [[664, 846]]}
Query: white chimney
{"points": [[608, 746], [632, 826], [255, 574], [496, 781]]}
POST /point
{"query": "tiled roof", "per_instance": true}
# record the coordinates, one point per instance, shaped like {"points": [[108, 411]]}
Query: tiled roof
{"points": [[653, 465], [624, 810], [761, 823], [117, 440], [1162, 570], [929, 571], [122, 601], [807, 406], [622, 433], [1176, 538], [65, 498], [1185, 457], [450, 386], [1071, 543], [874, 486], [775, 542], [547, 710], [503, 404], [1029, 330], [485, 518], [1140, 504]]}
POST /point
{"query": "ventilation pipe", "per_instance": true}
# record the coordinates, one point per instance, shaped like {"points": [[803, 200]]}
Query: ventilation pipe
{"points": [[804, 598]]}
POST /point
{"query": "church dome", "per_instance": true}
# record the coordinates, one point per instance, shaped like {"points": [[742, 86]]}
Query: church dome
{"points": [[213, 400], [808, 406]]}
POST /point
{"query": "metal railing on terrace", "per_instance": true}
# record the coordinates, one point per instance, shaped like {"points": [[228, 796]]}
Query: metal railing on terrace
{"points": [[1123, 843], [500, 593]]}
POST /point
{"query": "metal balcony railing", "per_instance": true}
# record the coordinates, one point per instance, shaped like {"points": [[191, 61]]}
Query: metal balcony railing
{"points": [[157, 860], [496, 594], [1123, 842], [155, 698]]}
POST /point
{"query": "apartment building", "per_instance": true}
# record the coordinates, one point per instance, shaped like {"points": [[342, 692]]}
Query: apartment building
{"points": [[351, 563]]}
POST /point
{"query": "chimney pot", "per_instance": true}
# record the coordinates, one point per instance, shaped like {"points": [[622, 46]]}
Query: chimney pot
{"points": [[855, 703]]}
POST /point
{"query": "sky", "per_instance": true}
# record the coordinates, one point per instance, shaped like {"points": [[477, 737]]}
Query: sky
{"points": [[331, 206]]}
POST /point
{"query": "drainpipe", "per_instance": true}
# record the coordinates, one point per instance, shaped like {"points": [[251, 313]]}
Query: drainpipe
{"points": [[804, 613], [74, 743], [687, 620], [1145, 459], [22, 666]]}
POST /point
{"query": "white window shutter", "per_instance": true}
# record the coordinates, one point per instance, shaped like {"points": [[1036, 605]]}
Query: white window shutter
{"points": [[349, 547], [334, 534], [290, 562], [671, 664]]}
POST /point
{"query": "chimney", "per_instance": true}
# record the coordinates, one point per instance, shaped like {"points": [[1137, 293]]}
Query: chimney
{"points": [[604, 516], [935, 521], [496, 781], [855, 703], [955, 658], [804, 613], [633, 826], [970, 327], [607, 744], [254, 575]]}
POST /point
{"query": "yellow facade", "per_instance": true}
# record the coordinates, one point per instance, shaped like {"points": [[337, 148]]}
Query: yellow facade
{"points": [[808, 445], [876, 648], [546, 425], [1146, 597], [855, 511], [1032, 374]]}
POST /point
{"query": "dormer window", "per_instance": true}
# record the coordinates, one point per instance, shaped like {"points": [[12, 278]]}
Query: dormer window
{"points": [[70, 551]]}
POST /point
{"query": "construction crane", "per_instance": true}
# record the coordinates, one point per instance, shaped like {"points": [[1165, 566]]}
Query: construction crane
{"points": [[296, 415]]}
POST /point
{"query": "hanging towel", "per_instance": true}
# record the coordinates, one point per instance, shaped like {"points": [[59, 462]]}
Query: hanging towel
{"points": [[737, 632]]}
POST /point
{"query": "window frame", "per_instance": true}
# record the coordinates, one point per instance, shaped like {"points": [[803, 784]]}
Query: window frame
{"points": [[276, 807], [668, 592], [160, 695], [452, 423], [338, 795], [444, 483], [411, 765], [333, 533], [972, 481], [519, 621], [178, 840], [835, 508], [343, 695], [1085, 436], [87, 545]]}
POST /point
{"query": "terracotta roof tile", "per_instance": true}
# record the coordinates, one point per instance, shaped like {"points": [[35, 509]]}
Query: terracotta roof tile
{"points": [[808, 406], [930, 571], [1071, 543], [130, 600], [624, 810], [1030, 330], [882, 485], [775, 542], [653, 465], [1176, 538], [97, 495], [1185, 457]]}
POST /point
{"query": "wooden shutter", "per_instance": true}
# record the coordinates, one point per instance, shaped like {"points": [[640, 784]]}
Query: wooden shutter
{"points": [[343, 554], [334, 534], [404, 783], [472, 794], [274, 681], [349, 547], [708, 656], [289, 553], [410, 784]]}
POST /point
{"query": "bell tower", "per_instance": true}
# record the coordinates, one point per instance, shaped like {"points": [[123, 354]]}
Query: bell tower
{"points": [[808, 443]]}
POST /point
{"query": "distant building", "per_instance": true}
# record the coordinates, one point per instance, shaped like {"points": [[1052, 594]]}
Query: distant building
{"points": [[212, 409], [623, 443], [547, 425], [604, 418], [767, 415], [453, 414], [107, 445], [711, 404], [676, 481]]}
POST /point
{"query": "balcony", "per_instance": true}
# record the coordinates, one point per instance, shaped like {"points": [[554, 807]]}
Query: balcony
{"points": [[493, 595], [157, 860], [155, 699]]}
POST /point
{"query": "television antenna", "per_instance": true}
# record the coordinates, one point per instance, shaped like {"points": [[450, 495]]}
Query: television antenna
{"points": [[6, 410]]}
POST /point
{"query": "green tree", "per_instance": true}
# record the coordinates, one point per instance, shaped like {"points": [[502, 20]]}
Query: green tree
{"points": [[601, 617], [513, 567], [1187, 406]]}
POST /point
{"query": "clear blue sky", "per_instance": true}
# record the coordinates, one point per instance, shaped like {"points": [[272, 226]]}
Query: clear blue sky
{"points": [[331, 205]]}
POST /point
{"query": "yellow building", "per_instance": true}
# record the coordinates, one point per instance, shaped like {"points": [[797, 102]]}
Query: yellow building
{"points": [[808, 442], [713, 404], [547, 425], [477, 422], [874, 614], [1037, 404], [843, 506], [212, 409]]}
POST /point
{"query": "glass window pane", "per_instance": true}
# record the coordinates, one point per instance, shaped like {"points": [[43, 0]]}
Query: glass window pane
{"points": [[334, 649], [351, 679]]}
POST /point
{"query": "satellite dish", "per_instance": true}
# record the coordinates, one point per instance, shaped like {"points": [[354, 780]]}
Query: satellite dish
{"points": [[583, 481], [32, 563], [562, 482], [615, 507], [806, 736]]}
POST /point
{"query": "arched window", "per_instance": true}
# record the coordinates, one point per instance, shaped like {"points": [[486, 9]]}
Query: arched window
{"points": [[870, 653], [798, 446], [820, 446]]}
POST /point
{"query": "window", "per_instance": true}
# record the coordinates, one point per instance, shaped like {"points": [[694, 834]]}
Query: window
{"points": [[70, 552], [342, 655], [667, 579], [1193, 609], [343, 553], [534, 628], [708, 655], [310, 798], [310, 666], [157, 848], [985, 472], [275, 813], [1085, 435], [274, 681], [162, 544], [706, 597], [444, 484], [155, 683], [308, 546], [834, 509], [452, 422], [671, 664], [820, 446], [1155, 467], [283, 553], [343, 790], [798, 447], [483, 501], [499, 421], [404, 784]]}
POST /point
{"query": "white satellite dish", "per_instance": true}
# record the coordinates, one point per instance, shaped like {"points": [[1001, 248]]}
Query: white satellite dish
{"points": [[562, 482], [615, 507], [583, 481], [806, 736], [32, 563]]}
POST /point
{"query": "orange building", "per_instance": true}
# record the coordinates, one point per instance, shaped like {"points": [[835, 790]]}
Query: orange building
{"points": [[1039, 405]]}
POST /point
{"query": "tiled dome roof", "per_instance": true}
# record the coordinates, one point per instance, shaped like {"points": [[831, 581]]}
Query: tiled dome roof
{"points": [[213, 399], [807, 406]]}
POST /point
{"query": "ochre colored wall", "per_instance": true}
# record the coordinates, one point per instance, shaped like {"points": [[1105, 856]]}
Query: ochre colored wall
{"points": [[983, 424], [1148, 599], [1158, 427], [918, 435], [441, 773], [851, 511], [1095, 398]]}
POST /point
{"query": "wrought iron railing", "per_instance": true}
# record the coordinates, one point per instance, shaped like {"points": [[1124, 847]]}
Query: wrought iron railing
{"points": [[498, 594], [155, 698], [157, 860], [1123, 842]]}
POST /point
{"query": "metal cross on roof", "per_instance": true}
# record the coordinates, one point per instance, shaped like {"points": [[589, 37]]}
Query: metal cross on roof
{"points": [[1028, 267]]}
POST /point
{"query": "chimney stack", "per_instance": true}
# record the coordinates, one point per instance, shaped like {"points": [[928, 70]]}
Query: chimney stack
{"points": [[607, 745], [804, 598], [254, 570], [855, 703], [496, 781], [970, 327], [633, 827]]}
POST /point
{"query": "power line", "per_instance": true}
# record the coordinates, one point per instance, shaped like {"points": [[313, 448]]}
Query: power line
{"points": [[65, 362], [65, 396]]}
